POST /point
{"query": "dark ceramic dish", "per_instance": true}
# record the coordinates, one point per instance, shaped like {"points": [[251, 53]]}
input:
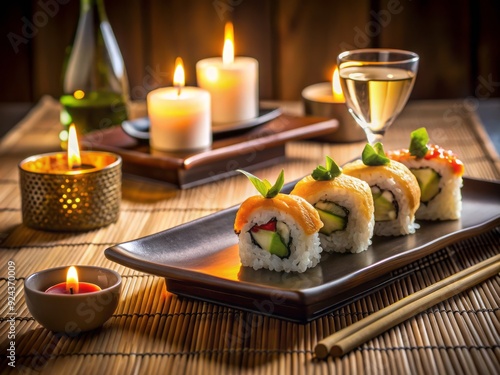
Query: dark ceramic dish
{"points": [[200, 260]]}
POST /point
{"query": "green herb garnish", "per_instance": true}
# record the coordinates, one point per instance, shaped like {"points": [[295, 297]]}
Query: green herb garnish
{"points": [[374, 155], [263, 186], [418, 143], [328, 172]]}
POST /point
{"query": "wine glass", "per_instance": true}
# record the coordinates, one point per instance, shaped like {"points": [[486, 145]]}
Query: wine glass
{"points": [[376, 85]]}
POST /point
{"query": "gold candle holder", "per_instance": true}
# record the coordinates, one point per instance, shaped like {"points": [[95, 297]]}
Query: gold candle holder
{"points": [[57, 198]]}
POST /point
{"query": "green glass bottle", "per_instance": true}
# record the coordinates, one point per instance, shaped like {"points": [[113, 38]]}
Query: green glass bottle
{"points": [[95, 85]]}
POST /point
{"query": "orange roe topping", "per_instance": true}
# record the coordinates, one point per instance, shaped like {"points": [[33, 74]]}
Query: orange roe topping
{"points": [[439, 152], [433, 152]]}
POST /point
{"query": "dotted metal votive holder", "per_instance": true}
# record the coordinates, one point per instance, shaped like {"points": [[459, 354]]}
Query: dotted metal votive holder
{"points": [[57, 198]]}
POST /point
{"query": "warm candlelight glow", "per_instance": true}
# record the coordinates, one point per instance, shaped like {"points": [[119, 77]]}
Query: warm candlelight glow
{"points": [[179, 78], [228, 51], [72, 285], [338, 95], [79, 94], [74, 159]]}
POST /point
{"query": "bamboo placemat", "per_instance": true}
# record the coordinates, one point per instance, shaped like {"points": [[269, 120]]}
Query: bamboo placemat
{"points": [[153, 331]]}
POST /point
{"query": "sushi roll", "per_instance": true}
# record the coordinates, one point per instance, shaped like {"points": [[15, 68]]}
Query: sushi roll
{"points": [[277, 231], [344, 204], [395, 191], [439, 174]]}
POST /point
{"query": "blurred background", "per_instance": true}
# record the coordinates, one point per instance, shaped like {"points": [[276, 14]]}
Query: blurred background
{"points": [[296, 42]]}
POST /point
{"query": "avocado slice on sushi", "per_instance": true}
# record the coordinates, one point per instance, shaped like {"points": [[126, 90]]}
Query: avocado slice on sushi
{"points": [[333, 216], [428, 180], [333, 208], [275, 226], [331, 222], [385, 205], [270, 241]]}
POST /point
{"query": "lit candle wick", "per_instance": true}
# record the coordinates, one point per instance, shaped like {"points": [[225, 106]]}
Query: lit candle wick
{"points": [[72, 284], [228, 50], [74, 158], [179, 78]]}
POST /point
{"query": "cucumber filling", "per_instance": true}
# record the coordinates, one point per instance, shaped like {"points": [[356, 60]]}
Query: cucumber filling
{"points": [[428, 181], [386, 206], [273, 236], [333, 216]]}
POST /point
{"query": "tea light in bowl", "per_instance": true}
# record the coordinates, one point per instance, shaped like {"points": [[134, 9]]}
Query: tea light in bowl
{"points": [[233, 83], [72, 285], [61, 311], [180, 116], [326, 99], [70, 191]]}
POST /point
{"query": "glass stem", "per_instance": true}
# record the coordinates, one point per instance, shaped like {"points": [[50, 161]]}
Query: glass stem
{"points": [[374, 137]]}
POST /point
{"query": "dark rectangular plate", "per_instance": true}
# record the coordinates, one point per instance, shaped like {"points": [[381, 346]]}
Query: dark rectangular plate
{"points": [[262, 145], [200, 259]]}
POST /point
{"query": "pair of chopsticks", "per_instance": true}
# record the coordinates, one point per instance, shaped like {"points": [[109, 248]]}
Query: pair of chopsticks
{"points": [[351, 337]]}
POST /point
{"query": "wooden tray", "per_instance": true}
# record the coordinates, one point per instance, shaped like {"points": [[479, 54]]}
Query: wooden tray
{"points": [[260, 146]]}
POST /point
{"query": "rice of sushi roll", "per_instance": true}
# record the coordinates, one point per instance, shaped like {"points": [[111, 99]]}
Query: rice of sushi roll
{"points": [[277, 231], [395, 191], [439, 175], [344, 204]]}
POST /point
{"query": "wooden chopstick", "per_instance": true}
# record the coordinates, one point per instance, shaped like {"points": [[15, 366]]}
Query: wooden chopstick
{"points": [[380, 321]]}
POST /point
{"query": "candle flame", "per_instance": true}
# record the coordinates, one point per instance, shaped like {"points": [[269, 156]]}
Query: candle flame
{"points": [[179, 78], [74, 159], [228, 51], [72, 281], [338, 95]]}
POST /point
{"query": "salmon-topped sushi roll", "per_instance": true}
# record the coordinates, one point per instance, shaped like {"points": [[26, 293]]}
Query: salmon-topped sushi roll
{"points": [[277, 231], [344, 204], [439, 174], [395, 191]]}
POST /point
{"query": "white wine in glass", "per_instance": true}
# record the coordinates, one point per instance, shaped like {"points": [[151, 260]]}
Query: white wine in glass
{"points": [[376, 84]]}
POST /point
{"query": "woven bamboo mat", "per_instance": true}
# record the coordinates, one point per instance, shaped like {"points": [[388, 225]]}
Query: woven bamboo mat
{"points": [[153, 331]]}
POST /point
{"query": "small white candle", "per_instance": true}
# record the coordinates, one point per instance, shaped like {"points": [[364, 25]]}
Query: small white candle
{"points": [[326, 92], [179, 117], [232, 82]]}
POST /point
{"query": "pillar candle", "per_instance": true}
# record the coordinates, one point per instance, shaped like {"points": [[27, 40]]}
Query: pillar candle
{"points": [[180, 118], [233, 83], [179, 121]]}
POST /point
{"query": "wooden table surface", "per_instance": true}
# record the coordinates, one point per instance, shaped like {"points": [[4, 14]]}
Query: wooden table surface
{"points": [[155, 331]]}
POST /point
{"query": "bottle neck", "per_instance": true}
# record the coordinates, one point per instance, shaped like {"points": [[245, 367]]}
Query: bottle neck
{"points": [[93, 6]]}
